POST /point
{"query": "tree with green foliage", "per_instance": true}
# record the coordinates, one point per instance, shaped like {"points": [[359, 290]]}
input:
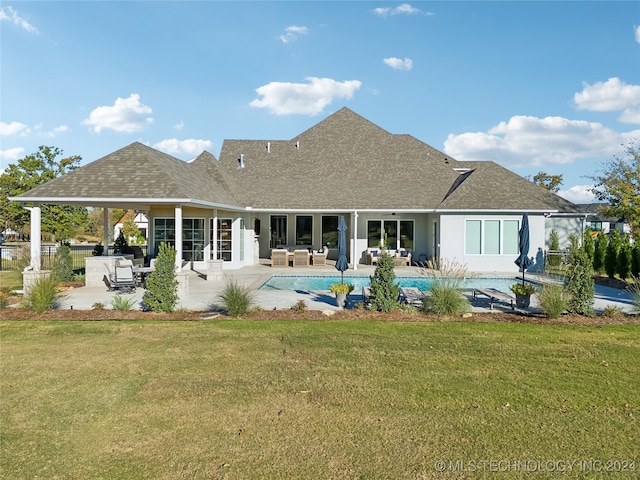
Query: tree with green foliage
{"points": [[120, 243], [29, 172], [554, 259], [635, 260], [131, 230], [611, 257], [548, 182], [600, 251], [588, 245], [384, 290], [624, 258], [161, 294], [618, 185], [579, 282], [62, 268]]}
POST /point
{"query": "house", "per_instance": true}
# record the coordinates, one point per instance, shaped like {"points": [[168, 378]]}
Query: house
{"points": [[139, 219], [264, 193], [597, 222]]}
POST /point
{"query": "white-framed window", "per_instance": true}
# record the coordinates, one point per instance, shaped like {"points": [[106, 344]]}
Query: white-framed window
{"points": [[399, 233], [304, 230], [193, 239], [491, 237], [225, 239]]}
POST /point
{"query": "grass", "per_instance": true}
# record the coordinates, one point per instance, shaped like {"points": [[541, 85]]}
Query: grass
{"points": [[238, 399], [11, 279]]}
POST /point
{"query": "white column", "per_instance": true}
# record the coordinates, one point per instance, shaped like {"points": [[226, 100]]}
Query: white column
{"points": [[354, 255], [105, 233], [215, 234], [36, 232], [178, 216]]}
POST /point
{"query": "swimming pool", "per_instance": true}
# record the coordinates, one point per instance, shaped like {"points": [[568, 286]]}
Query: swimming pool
{"points": [[322, 282]]}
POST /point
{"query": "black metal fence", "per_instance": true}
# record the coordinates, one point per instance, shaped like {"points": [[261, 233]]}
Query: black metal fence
{"points": [[11, 256]]}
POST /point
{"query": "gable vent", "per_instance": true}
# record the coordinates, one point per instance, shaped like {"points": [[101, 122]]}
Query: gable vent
{"points": [[241, 162]]}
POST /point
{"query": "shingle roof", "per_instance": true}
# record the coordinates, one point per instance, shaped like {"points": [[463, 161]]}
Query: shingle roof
{"points": [[344, 162]]}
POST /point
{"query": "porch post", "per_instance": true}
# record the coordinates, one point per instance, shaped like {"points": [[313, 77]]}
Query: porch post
{"points": [[178, 240], [215, 234], [354, 257], [105, 233], [36, 242]]}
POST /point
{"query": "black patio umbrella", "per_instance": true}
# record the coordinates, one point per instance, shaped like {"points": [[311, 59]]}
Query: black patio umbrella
{"points": [[523, 261], [341, 263]]}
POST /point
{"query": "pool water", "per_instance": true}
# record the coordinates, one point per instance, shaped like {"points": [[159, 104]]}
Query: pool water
{"points": [[322, 282]]}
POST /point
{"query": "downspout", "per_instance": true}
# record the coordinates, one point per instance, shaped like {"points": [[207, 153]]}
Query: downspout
{"points": [[354, 257]]}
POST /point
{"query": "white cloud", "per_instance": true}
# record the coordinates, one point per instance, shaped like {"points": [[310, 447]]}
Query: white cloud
{"points": [[179, 126], [612, 95], [578, 194], [127, 115], [14, 128], [285, 98], [292, 32], [404, 9], [531, 141], [398, 63], [11, 154], [10, 15], [57, 131], [636, 30], [190, 146]]}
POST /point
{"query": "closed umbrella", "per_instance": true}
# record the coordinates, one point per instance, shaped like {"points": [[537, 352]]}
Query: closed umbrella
{"points": [[341, 263], [523, 261]]}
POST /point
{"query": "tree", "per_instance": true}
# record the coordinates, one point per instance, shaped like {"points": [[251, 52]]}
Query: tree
{"points": [[161, 294], [588, 245], [554, 259], [384, 292], [549, 182], [624, 258], [28, 173], [600, 252], [618, 185], [579, 282], [131, 230], [611, 257]]}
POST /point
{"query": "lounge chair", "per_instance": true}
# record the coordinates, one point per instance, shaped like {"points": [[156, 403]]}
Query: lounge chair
{"points": [[366, 297], [412, 296], [319, 257], [279, 257], [301, 258], [122, 279], [493, 295]]}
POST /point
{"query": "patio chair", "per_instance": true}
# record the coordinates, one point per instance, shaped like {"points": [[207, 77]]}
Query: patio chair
{"points": [[366, 297], [412, 296], [279, 257], [402, 258], [301, 258], [319, 257], [372, 256], [122, 279]]}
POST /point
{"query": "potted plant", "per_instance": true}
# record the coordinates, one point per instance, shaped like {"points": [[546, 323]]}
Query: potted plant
{"points": [[523, 292], [341, 290]]}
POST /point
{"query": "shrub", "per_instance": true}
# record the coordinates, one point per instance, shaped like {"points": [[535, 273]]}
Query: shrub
{"points": [[98, 306], [98, 250], [611, 257], [341, 287], [555, 260], [588, 245], [120, 243], [161, 294], [635, 259], [611, 311], [299, 306], [236, 299], [4, 299], [384, 292], [553, 300], [523, 288], [634, 288], [600, 252], [624, 258], [43, 294], [579, 282], [122, 303], [62, 268], [445, 300], [445, 295]]}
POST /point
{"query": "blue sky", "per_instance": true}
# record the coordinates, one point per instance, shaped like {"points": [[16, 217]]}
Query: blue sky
{"points": [[533, 86]]}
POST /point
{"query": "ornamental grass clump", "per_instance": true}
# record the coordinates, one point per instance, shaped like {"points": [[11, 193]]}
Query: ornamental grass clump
{"points": [[553, 300], [445, 295], [122, 303], [43, 295], [237, 299]]}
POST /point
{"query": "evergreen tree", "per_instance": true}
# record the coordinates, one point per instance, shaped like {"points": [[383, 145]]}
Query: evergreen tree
{"points": [[579, 281], [635, 260], [120, 243], [600, 252], [624, 258], [554, 260], [588, 245], [161, 294], [611, 257], [384, 292], [63, 264]]}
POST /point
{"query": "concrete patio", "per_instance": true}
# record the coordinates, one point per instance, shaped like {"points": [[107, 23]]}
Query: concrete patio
{"points": [[203, 295]]}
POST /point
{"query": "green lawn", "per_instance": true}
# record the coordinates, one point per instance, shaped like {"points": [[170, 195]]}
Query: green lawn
{"points": [[239, 399]]}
